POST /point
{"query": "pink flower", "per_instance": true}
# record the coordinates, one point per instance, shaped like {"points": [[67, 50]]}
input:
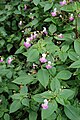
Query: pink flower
{"points": [[34, 66], [45, 104], [27, 44], [62, 3], [10, 60], [20, 23], [71, 18], [35, 35], [31, 37], [79, 15], [60, 35], [48, 66], [25, 7], [43, 59], [45, 31], [54, 12], [1, 60]]}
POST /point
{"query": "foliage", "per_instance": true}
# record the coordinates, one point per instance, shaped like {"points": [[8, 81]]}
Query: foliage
{"points": [[39, 60]]}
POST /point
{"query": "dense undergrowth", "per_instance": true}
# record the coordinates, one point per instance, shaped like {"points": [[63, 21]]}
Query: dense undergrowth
{"points": [[39, 60]]}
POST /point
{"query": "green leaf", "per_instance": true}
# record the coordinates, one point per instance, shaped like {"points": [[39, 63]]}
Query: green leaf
{"points": [[52, 28], [78, 23], [32, 115], [75, 64], [6, 116], [55, 84], [52, 71], [60, 100], [48, 20], [69, 8], [20, 50], [34, 22], [9, 46], [32, 55], [43, 77], [24, 90], [47, 6], [62, 55], [45, 95], [72, 55], [52, 117], [25, 102], [77, 46], [65, 47], [71, 112], [67, 93], [15, 106], [36, 2], [64, 75], [26, 79], [48, 112]]}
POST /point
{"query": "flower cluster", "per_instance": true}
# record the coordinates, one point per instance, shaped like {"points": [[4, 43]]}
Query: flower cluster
{"points": [[44, 60], [8, 61], [33, 36]]}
